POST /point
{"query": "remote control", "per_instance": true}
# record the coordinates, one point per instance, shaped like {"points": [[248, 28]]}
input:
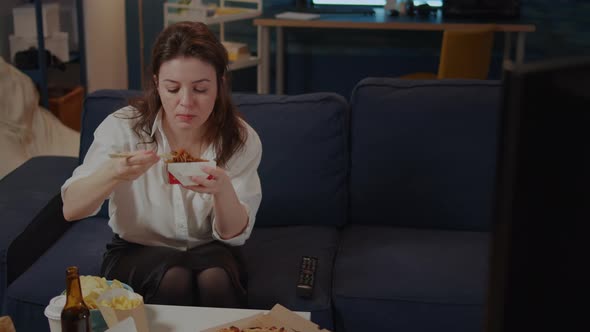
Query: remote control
{"points": [[306, 276]]}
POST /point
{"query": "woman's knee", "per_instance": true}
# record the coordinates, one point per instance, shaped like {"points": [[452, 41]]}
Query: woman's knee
{"points": [[176, 287], [216, 289], [214, 278]]}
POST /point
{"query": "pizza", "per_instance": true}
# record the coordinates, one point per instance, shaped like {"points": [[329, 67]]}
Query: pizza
{"points": [[230, 329], [253, 329]]}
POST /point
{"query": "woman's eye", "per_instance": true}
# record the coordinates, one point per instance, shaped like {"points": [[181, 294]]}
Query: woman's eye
{"points": [[200, 90], [172, 90]]}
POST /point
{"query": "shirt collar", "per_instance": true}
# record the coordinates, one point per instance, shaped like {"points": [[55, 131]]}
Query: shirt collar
{"points": [[157, 123]]}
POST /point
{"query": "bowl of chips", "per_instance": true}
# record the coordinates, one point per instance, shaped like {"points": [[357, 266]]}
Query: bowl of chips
{"points": [[118, 304], [92, 288]]}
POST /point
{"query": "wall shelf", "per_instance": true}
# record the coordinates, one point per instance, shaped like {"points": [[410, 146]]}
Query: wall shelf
{"points": [[251, 62], [174, 12], [217, 13], [40, 75]]}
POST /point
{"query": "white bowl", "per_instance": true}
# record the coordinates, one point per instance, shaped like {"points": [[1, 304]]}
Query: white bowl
{"points": [[182, 172]]}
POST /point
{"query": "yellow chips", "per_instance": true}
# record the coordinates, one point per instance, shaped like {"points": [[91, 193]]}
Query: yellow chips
{"points": [[121, 303], [93, 287]]}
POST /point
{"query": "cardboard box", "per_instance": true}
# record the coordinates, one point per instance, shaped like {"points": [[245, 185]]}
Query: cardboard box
{"points": [[113, 316], [180, 173], [278, 317], [25, 21], [68, 108]]}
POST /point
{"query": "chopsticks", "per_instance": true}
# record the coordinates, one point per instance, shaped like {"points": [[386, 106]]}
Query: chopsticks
{"points": [[129, 154]]}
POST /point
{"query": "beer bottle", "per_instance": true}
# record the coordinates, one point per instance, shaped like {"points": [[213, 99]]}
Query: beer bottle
{"points": [[75, 316]]}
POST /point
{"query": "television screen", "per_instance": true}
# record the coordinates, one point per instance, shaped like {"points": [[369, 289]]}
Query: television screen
{"points": [[508, 9], [539, 252], [375, 3], [349, 2]]}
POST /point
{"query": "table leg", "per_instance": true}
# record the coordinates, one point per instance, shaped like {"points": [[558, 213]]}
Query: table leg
{"points": [[520, 45], [259, 69], [507, 46], [280, 74], [263, 60]]}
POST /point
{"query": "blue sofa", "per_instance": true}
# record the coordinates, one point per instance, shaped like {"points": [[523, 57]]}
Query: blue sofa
{"points": [[391, 190]]}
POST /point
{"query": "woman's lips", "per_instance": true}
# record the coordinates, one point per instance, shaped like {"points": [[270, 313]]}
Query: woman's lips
{"points": [[185, 117]]}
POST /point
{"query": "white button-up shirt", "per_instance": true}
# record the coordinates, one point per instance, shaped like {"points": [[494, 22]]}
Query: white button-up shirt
{"points": [[149, 210]]}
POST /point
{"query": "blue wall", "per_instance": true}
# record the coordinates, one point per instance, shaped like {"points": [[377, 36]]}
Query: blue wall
{"points": [[563, 27], [343, 57]]}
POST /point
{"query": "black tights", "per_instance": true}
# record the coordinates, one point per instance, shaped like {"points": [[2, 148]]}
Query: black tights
{"points": [[177, 287]]}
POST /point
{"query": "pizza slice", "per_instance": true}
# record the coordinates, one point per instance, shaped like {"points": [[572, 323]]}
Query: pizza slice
{"points": [[230, 329], [253, 329]]}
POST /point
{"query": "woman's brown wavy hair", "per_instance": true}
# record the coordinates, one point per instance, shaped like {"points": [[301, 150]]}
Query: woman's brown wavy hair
{"points": [[224, 128]]}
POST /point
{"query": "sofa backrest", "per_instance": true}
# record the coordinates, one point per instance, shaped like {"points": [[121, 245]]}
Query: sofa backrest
{"points": [[97, 106], [305, 157], [304, 167], [423, 153]]}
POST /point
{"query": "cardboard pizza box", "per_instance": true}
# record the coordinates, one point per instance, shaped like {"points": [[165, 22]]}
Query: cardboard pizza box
{"points": [[278, 317]]}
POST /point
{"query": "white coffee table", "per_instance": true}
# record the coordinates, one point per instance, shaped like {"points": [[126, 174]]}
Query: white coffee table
{"points": [[168, 318]]}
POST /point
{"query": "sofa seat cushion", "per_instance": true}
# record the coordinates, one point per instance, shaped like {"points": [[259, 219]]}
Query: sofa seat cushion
{"points": [[82, 245], [401, 275], [273, 256]]}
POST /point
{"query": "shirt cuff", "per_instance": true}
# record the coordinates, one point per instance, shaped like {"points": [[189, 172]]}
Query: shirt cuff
{"points": [[241, 238]]}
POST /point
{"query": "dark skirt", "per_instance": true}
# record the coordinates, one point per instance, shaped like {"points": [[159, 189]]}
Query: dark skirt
{"points": [[142, 267]]}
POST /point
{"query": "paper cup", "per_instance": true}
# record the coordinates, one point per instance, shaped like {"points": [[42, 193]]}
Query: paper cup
{"points": [[53, 312], [180, 173]]}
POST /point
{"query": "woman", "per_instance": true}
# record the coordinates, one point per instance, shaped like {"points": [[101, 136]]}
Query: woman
{"points": [[175, 244]]}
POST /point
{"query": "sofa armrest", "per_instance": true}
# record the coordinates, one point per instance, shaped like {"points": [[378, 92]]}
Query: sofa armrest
{"points": [[30, 213]]}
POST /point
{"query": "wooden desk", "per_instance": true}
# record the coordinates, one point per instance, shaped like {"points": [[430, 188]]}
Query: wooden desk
{"points": [[380, 21]]}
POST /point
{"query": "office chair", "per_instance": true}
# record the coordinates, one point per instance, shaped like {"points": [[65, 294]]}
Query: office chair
{"points": [[464, 54]]}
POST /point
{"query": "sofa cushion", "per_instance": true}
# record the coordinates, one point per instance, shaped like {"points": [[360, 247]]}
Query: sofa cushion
{"points": [[82, 245], [273, 256], [423, 153], [395, 277], [304, 164]]}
